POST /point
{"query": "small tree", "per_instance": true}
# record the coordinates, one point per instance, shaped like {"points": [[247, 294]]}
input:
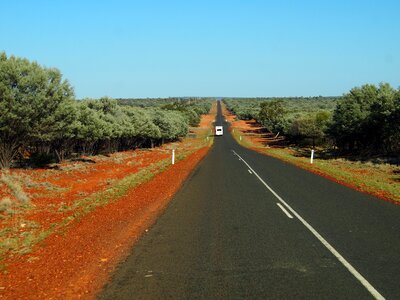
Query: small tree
{"points": [[91, 128], [350, 116], [29, 96], [393, 140], [272, 116], [379, 125], [364, 119], [310, 126], [172, 124], [65, 129], [144, 130]]}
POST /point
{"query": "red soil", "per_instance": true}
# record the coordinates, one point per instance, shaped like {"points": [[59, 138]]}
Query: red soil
{"points": [[77, 263], [84, 179]]}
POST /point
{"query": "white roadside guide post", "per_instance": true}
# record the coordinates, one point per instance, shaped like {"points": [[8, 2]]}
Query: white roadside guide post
{"points": [[173, 156], [312, 156]]}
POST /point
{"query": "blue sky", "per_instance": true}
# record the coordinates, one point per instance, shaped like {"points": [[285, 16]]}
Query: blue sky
{"points": [[208, 48]]}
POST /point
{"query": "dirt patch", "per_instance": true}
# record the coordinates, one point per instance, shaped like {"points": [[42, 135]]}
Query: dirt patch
{"points": [[208, 120]]}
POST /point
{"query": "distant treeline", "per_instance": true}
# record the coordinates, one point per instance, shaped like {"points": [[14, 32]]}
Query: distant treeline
{"points": [[146, 102], [191, 107], [364, 120], [249, 108], [39, 117]]}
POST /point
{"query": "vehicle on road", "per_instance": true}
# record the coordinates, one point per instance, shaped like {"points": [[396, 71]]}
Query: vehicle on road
{"points": [[219, 130]]}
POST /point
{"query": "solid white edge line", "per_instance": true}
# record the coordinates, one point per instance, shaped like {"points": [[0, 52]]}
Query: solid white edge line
{"points": [[285, 211], [348, 266]]}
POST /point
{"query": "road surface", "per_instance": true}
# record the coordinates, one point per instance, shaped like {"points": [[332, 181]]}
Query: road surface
{"points": [[248, 226]]}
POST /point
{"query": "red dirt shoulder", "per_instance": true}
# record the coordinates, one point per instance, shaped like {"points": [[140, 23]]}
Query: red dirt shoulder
{"points": [[77, 263]]}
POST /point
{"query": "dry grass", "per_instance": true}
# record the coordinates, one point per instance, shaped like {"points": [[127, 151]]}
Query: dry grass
{"points": [[26, 181], [5, 204], [74, 167], [13, 183]]}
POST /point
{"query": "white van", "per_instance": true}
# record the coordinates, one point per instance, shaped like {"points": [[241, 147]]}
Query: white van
{"points": [[219, 130]]}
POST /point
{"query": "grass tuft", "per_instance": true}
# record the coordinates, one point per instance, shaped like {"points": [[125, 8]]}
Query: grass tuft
{"points": [[12, 183], [5, 204]]}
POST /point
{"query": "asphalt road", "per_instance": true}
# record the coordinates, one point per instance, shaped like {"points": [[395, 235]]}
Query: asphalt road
{"points": [[226, 236]]}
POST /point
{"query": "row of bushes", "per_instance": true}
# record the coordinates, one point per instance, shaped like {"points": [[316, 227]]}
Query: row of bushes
{"points": [[40, 116], [192, 108], [366, 119]]}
